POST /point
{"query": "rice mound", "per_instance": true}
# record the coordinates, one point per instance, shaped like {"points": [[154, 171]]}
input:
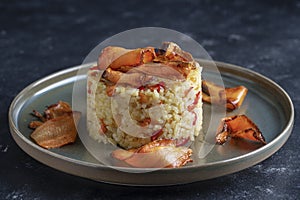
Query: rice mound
{"points": [[134, 116]]}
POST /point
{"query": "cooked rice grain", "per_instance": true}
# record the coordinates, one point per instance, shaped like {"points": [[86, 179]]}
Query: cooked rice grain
{"points": [[167, 108]]}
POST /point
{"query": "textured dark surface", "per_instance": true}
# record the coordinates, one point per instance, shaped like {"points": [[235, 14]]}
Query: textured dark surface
{"points": [[37, 39]]}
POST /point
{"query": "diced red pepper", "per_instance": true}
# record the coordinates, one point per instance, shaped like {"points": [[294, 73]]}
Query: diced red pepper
{"points": [[156, 135], [145, 122], [196, 100], [158, 87], [103, 126], [142, 87], [89, 87], [195, 118]]}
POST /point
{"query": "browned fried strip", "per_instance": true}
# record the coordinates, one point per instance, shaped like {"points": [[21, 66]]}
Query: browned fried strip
{"points": [[58, 131], [239, 126], [174, 52], [233, 97], [159, 70], [133, 58], [57, 128], [35, 124], [172, 63], [108, 55], [156, 154], [56, 110]]}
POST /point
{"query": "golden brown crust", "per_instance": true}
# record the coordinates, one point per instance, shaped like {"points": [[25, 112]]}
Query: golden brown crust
{"points": [[232, 97], [130, 69], [239, 126], [156, 154], [57, 126]]}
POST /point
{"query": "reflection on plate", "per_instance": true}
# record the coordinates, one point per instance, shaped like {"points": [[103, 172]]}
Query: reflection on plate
{"points": [[266, 103]]}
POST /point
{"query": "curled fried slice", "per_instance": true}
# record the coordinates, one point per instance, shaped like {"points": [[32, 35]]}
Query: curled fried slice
{"points": [[57, 126], [138, 65], [109, 54], [133, 79], [233, 97], [239, 126], [39, 116], [174, 52], [58, 131], [56, 110], [182, 67], [52, 111], [111, 75], [159, 70], [122, 154], [150, 147], [156, 154], [35, 124], [133, 58], [140, 75]]}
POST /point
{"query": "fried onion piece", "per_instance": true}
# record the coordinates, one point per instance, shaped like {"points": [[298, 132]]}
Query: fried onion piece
{"points": [[52, 111], [157, 154], [174, 52], [56, 110], [159, 70], [233, 97], [137, 66], [140, 75], [122, 154], [35, 124], [133, 58], [133, 79], [109, 54], [239, 126], [57, 126], [58, 131], [182, 67]]}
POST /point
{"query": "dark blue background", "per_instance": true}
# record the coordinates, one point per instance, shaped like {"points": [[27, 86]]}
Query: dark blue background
{"points": [[41, 37]]}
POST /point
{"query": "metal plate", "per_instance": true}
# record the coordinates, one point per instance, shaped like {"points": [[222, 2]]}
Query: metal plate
{"points": [[266, 103]]}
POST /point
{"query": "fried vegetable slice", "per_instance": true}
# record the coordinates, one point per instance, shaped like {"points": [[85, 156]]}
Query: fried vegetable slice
{"points": [[133, 79], [108, 55], [57, 126], [157, 154], [52, 111], [233, 97], [137, 66], [121, 154], [133, 58], [239, 126], [174, 52], [58, 131], [56, 110]]}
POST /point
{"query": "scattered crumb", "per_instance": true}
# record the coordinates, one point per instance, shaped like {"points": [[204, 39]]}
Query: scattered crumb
{"points": [[3, 148]]}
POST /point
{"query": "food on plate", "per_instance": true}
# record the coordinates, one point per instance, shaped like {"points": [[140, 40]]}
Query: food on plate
{"points": [[233, 97], [156, 154], [136, 96], [148, 102], [57, 126], [239, 126]]}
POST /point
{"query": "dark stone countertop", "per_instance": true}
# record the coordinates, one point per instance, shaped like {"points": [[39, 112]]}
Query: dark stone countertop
{"points": [[38, 38]]}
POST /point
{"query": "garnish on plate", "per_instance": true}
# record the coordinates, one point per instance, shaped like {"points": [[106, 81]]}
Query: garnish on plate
{"points": [[239, 126], [156, 154], [56, 127], [233, 97]]}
